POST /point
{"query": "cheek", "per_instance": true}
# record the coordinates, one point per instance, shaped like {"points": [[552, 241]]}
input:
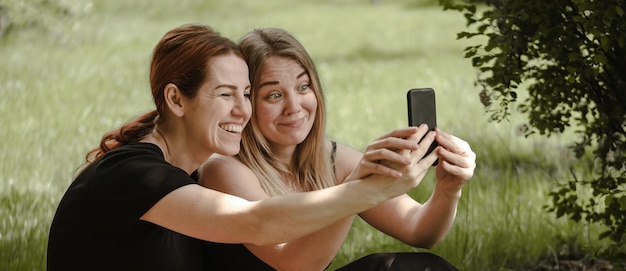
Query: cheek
{"points": [[310, 104], [264, 114]]}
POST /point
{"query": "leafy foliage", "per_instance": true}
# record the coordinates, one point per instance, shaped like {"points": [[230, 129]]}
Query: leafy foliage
{"points": [[570, 55]]}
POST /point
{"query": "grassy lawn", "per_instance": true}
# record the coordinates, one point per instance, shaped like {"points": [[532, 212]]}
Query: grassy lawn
{"points": [[65, 80]]}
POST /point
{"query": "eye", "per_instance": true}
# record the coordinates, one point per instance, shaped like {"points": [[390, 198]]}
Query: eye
{"points": [[303, 87], [247, 95], [226, 94], [274, 96]]}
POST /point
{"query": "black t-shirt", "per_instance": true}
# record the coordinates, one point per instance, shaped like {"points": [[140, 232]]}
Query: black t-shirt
{"points": [[97, 225], [231, 257]]}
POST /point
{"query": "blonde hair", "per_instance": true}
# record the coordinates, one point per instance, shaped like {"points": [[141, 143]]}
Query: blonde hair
{"points": [[312, 168]]}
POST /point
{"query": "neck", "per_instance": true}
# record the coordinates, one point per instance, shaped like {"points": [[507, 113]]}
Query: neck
{"points": [[166, 153], [284, 154], [173, 152]]}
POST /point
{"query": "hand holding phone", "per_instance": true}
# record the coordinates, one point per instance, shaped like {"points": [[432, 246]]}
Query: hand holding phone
{"points": [[422, 109]]}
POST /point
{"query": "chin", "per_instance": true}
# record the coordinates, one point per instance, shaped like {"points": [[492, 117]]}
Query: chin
{"points": [[229, 151], [298, 140]]}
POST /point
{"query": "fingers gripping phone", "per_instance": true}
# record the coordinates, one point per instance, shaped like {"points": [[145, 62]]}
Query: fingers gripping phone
{"points": [[422, 109]]}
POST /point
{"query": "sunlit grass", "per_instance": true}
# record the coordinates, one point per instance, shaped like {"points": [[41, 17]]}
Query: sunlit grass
{"points": [[66, 84]]}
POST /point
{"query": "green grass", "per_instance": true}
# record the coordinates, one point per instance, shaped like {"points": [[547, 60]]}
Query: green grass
{"points": [[66, 80]]}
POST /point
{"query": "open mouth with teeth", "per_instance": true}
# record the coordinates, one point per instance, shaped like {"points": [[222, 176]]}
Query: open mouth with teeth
{"points": [[232, 128]]}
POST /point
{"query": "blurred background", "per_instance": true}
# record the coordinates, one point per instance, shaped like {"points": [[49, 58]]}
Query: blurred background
{"points": [[70, 70]]}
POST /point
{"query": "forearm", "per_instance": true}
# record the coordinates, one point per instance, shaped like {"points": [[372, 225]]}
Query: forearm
{"points": [[311, 252], [292, 216], [435, 218]]}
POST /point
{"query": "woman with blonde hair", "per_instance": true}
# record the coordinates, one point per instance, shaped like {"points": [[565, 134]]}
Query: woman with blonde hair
{"points": [[285, 151]]}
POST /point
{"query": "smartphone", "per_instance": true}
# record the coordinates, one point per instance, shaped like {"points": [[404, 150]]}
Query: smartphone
{"points": [[422, 109]]}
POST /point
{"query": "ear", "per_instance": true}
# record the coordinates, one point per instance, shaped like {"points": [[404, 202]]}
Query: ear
{"points": [[173, 99]]}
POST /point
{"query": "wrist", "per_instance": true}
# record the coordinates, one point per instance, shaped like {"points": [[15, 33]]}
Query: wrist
{"points": [[374, 189], [362, 193], [449, 192]]}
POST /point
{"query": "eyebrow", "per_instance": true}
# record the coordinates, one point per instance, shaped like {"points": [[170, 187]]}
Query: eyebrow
{"points": [[233, 87], [229, 86], [276, 82], [301, 74]]}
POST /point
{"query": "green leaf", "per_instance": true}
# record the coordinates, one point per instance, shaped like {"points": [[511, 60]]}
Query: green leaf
{"points": [[605, 43], [609, 200], [599, 58], [622, 203]]}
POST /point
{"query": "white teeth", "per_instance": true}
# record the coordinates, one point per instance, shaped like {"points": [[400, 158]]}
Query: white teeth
{"points": [[232, 128]]}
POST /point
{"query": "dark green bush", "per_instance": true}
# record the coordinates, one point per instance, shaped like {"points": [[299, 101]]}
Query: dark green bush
{"points": [[570, 55]]}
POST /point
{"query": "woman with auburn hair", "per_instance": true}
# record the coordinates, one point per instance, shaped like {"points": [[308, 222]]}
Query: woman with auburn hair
{"points": [[136, 204], [285, 152]]}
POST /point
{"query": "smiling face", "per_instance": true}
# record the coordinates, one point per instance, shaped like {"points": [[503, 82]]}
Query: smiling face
{"points": [[221, 108], [285, 102]]}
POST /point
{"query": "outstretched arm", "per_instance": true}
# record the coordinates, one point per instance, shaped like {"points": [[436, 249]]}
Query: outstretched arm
{"points": [[310, 252], [214, 216], [426, 225], [313, 251]]}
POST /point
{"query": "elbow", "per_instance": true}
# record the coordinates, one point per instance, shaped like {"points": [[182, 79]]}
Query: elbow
{"points": [[262, 242], [265, 233], [264, 238], [423, 245], [259, 229], [426, 243]]}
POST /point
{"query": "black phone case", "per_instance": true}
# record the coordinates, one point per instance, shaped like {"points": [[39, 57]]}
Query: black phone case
{"points": [[422, 109]]}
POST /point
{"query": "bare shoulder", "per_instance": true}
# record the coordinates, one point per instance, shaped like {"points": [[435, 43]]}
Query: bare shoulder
{"points": [[344, 152], [229, 175], [217, 161], [225, 173]]}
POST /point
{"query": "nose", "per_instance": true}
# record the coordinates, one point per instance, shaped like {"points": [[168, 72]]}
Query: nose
{"points": [[292, 104], [242, 108]]}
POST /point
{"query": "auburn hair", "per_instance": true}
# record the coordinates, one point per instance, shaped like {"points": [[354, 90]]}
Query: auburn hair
{"points": [[181, 58]]}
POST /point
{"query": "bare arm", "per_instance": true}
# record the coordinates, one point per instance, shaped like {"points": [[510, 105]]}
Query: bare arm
{"points": [[426, 225], [311, 252], [214, 216]]}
